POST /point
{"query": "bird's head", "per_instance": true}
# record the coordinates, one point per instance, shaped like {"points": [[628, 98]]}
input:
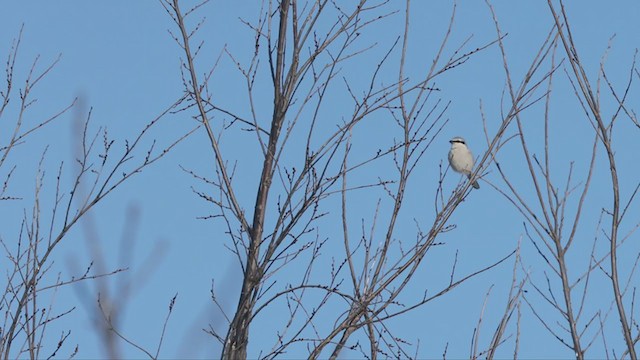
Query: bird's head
{"points": [[457, 140]]}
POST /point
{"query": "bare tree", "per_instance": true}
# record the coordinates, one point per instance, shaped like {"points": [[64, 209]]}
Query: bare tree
{"points": [[554, 214], [603, 130], [303, 66], [30, 246]]}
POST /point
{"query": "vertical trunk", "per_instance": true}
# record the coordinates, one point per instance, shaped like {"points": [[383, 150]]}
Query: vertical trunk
{"points": [[235, 346]]}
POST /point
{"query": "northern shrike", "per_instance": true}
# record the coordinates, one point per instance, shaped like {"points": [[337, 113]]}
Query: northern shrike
{"points": [[461, 159]]}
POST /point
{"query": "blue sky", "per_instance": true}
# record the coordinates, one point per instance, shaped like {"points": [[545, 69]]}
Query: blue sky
{"points": [[120, 60]]}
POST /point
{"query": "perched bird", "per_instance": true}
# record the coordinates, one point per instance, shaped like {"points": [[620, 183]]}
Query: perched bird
{"points": [[461, 159]]}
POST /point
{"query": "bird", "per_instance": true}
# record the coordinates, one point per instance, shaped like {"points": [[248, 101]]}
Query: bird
{"points": [[461, 159]]}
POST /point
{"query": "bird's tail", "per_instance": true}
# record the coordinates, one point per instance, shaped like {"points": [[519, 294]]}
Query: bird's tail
{"points": [[475, 183]]}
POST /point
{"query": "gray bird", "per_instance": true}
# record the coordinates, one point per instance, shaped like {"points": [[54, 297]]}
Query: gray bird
{"points": [[461, 159]]}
